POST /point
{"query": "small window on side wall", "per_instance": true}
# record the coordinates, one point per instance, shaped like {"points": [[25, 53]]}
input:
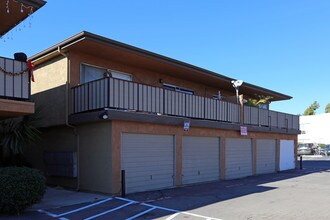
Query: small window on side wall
{"points": [[120, 75], [90, 73], [178, 89]]}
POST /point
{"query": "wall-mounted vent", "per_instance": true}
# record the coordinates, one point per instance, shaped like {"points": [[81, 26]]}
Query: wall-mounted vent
{"points": [[61, 163]]}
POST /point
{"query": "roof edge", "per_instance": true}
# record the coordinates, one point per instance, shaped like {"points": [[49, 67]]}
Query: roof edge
{"points": [[106, 41], [34, 3]]}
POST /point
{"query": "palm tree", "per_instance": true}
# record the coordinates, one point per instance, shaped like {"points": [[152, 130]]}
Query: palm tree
{"points": [[15, 134], [260, 99]]}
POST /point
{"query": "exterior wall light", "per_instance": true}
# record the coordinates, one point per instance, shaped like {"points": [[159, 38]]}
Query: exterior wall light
{"points": [[104, 115], [236, 85]]}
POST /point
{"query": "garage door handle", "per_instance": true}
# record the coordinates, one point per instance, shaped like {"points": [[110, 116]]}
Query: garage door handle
{"points": [[151, 177]]}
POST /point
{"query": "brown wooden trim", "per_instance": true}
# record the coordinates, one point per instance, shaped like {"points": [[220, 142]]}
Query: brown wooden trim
{"points": [[80, 118], [115, 159], [278, 149], [178, 158], [254, 156], [222, 158]]}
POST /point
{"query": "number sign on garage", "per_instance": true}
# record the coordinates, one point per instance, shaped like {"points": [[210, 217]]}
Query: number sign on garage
{"points": [[148, 161]]}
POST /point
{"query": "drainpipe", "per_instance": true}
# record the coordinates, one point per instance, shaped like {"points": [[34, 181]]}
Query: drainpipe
{"points": [[67, 106]]}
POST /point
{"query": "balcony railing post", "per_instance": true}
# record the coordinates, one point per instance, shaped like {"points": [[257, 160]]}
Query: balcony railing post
{"points": [[259, 123], [227, 113], [164, 102], [204, 117], [88, 96], [108, 91], [287, 124], [73, 101]]}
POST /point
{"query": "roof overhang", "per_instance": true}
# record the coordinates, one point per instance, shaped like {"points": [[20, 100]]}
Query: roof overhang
{"points": [[104, 47], [15, 15]]}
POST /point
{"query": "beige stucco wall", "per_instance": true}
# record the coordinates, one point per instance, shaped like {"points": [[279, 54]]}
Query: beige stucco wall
{"points": [[100, 150], [140, 75], [49, 91], [95, 157]]}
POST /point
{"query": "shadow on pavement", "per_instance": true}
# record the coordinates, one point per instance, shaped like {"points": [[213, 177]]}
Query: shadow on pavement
{"points": [[196, 196]]}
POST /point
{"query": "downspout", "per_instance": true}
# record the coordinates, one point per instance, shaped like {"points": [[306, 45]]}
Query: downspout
{"points": [[67, 103]]}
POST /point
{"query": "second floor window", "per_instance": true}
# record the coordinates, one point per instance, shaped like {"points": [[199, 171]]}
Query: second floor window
{"points": [[90, 73], [178, 89]]}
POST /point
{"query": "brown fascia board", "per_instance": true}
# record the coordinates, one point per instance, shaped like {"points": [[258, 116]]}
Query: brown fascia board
{"points": [[64, 45], [34, 3]]}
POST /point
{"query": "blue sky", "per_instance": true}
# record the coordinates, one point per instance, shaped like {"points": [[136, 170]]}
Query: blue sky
{"points": [[277, 44]]}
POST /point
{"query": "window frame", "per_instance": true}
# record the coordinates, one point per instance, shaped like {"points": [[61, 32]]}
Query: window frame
{"points": [[178, 89], [105, 70]]}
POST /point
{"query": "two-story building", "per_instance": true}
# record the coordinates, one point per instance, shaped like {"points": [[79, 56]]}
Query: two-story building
{"points": [[15, 74], [109, 107]]}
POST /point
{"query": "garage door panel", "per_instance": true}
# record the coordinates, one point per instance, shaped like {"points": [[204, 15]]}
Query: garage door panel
{"points": [[148, 172], [287, 157], [200, 159], [266, 156], [238, 158], [148, 161]]}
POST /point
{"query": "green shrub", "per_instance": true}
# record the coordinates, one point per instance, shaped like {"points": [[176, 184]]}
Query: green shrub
{"points": [[20, 187]]}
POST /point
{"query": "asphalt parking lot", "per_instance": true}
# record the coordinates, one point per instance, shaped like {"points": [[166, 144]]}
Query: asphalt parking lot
{"points": [[296, 194]]}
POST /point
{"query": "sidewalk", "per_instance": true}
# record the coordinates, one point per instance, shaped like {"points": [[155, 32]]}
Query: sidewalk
{"points": [[59, 197]]}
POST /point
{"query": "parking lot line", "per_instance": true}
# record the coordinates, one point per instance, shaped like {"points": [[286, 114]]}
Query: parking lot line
{"points": [[126, 200], [173, 216], [140, 214], [75, 210], [111, 210], [158, 207], [177, 212], [200, 216]]}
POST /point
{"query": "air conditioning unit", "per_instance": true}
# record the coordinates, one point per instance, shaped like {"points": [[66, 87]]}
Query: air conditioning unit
{"points": [[61, 163]]}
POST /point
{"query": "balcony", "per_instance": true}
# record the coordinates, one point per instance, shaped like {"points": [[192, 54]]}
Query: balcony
{"points": [[14, 89], [133, 97]]}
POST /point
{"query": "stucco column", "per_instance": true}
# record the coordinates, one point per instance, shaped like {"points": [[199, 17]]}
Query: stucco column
{"points": [[278, 154], [178, 157], [254, 156], [115, 159], [295, 147], [222, 158]]}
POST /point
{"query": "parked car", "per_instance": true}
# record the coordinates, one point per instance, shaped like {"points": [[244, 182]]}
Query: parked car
{"points": [[306, 149], [325, 150]]}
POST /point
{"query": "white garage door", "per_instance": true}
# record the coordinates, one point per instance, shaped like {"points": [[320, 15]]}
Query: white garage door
{"points": [[148, 161], [238, 158], [266, 156], [200, 159], [287, 160]]}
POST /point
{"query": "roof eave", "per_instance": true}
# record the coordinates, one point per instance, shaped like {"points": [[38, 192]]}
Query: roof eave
{"points": [[109, 42]]}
